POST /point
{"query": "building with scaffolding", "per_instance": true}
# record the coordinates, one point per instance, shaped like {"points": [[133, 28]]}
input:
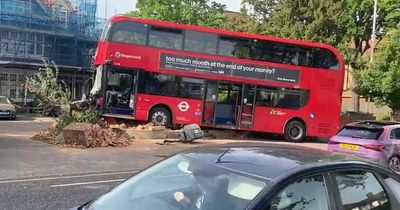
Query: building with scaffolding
{"points": [[63, 31]]}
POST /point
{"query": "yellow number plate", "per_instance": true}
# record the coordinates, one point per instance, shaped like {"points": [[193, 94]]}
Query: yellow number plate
{"points": [[349, 146]]}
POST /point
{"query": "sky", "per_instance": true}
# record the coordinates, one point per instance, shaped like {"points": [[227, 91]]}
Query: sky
{"points": [[123, 6]]}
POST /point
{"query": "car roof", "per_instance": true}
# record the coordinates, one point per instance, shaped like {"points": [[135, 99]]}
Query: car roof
{"points": [[267, 160]]}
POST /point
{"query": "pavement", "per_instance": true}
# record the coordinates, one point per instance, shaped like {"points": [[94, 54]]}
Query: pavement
{"points": [[36, 175]]}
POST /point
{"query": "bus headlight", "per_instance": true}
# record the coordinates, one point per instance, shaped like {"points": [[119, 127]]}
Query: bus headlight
{"points": [[312, 116]]}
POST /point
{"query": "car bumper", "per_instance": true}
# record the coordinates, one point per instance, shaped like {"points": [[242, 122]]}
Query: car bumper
{"points": [[9, 116], [374, 156]]}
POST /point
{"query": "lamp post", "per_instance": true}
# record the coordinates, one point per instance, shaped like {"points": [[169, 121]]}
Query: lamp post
{"points": [[373, 40], [373, 35]]}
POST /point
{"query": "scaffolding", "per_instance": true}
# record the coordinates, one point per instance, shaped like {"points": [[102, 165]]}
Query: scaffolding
{"points": [[60, 30], [63, 31]]}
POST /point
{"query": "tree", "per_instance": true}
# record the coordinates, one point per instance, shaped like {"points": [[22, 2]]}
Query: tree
{"points": [[381, 80], [316, 20], [346, 24], [193, 12]]}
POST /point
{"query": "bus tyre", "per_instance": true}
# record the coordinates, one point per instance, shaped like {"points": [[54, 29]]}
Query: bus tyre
{"points": [[295, 131], [160, 116]]}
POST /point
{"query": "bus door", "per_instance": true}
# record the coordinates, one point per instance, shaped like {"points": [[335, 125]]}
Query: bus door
{"points": [[121, 93], [228, 104], [210, 102], [245, 116]]}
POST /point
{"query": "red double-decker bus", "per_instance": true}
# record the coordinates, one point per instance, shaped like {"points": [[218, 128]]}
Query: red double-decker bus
{"points": [[174, 74]]}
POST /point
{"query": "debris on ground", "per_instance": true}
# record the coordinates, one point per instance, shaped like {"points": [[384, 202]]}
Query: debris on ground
{"points": [[147, 131], [83, 135]]}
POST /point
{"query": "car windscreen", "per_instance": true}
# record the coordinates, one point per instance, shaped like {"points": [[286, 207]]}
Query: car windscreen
{"points": [[360, 132], [182, 182], [3, 100]]}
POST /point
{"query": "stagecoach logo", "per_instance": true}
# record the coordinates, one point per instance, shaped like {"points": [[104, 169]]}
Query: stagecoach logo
{"points": [[183, 106], [121, 55], [275, 112]]}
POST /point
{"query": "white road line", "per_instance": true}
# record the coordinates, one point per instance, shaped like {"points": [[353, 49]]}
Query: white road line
{"points": [[16, 135], [87, 183], [65, 177]]}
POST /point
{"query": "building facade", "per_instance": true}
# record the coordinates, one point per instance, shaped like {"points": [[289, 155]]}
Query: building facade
{"points": [[62, 31]]}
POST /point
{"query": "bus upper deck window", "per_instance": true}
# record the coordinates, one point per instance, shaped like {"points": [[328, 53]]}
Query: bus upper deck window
{"points": [[128, 32], [325, 59]]}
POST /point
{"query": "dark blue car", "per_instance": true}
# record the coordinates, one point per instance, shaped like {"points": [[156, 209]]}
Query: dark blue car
{"points": [[256, 176]]}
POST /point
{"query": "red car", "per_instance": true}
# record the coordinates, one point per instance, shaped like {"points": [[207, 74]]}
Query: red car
{"points": [[375, 140]]}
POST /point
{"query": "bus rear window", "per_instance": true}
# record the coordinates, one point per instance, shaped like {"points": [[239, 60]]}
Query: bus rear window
{"points": [[325, 59], [360, 132], [128, 32]]}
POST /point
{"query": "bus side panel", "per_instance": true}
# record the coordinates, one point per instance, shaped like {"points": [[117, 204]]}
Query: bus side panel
{"points": [[327, 112], [272, 120], [184, 111], [327, 102]]}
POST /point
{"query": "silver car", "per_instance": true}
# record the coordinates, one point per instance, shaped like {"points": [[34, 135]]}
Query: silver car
{"points": [[7, 110]]}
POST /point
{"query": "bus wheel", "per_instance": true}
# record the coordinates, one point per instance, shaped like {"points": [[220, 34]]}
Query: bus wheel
{"points": [[160, 116], [295, 131]]}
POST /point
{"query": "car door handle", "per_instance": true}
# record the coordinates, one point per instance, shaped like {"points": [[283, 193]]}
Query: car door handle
{"points": [[146, 100]]}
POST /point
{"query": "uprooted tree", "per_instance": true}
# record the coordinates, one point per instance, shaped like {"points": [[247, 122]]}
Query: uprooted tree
{"points": [[54, 96]]}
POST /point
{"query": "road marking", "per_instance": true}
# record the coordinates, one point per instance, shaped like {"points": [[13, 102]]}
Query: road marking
{"points": [[67, 177], [86, 183], [16, 135]]}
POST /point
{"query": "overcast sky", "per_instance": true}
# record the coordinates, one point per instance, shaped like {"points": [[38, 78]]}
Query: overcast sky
{"points": [[123, 6]]}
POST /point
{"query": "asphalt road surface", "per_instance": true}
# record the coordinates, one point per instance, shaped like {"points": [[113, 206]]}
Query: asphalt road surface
{"points": [[35, 175]]}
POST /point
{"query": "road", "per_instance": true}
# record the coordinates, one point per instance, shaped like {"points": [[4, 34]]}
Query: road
{"points": [[35, 175]]}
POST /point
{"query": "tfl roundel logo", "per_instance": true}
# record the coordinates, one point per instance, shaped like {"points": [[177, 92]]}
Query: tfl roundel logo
{"points": [[183, 106]]}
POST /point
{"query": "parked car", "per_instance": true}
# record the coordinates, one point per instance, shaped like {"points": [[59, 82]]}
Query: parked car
{"points": [[379, 141], [7, 110], [255, 176]]}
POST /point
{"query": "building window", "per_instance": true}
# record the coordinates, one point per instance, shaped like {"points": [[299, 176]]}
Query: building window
{"points": [[21, 78], [13, 93], [39, 38], [13, 77], [3, 77], [14, 35], [4, 34], [39, 49]]}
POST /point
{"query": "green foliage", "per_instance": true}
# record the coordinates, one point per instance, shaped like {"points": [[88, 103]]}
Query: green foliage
{"points": [[337, 22], [51, 93], [85, 116], [316, 20], [381, 80], [194, 12], [47, 89]]}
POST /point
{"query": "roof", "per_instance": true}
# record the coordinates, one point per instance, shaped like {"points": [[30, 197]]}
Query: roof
{"points": [[269, 161], [117, 18]]}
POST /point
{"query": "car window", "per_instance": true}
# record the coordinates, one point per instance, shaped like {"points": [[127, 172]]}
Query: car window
{"points": [[395, 134], [183, 182], [394, 186], [4, 100], [307, 193], [360, 132], [361, 190]]}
